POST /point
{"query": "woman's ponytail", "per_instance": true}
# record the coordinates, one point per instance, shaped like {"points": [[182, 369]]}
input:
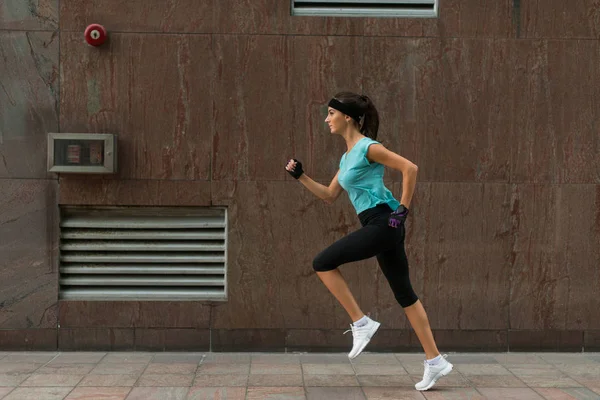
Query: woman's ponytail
{"points": [[370, 121]]}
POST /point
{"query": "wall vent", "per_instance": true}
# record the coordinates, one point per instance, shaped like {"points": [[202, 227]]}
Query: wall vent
{"points": [[366, 8], [143, 254]]}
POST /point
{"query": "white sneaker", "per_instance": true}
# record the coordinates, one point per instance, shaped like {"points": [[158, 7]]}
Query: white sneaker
{"points": [[362, 336], [433, 373]]}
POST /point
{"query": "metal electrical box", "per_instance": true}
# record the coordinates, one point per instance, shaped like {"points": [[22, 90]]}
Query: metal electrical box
{"points": [[85, 153]]}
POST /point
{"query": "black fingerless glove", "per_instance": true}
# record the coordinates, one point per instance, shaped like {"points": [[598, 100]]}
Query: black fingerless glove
{"points": [[297, 171], [398, 217]]}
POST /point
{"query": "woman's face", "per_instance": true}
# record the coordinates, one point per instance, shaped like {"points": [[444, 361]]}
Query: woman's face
{"points": [[336, 120]]}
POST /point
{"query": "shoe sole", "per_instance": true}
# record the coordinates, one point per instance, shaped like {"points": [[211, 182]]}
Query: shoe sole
{"points": [[440, 374], [366, 342]]}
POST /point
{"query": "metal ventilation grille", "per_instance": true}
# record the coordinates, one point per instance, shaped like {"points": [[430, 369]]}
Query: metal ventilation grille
{"points": [[366, 8], [143, 254]]}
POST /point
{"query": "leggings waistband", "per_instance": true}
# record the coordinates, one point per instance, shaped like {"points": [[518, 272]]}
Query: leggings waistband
{"points": [[368, 215]]}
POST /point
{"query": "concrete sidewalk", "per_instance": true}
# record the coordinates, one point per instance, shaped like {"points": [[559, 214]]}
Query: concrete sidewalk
{"points": [[233, 376]]}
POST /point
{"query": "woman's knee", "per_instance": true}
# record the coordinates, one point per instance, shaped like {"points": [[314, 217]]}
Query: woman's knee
{"points": [[322, 264], [404, 292], [407, 299]]}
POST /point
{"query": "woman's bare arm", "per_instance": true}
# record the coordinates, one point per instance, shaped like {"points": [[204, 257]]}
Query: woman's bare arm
{"points": [[328, 193]]}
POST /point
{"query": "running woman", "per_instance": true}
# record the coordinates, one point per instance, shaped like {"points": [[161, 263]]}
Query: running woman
{"points": [[355, 118]]}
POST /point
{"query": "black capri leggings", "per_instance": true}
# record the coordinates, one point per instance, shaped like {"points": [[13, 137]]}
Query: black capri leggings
{"points": [[375, 238]]}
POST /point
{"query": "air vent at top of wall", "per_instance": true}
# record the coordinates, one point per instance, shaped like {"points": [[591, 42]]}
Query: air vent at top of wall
{"points": [[149, 253], [366, 8]]}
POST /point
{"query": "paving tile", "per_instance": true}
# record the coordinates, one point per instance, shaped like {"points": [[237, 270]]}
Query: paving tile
{"points": [[522, 358], [398, 393], [506, 376], [230, 369], [453, 380], [38, 393], [510, 393], [593, 356], [482, 369], [216, 393], [324, 359], [385, 380], [330, 380], [328, 393], [277, 359], [415, 368], [165, 380], [99, 393], [453, 394], [220, 380], [19, 368], [275, 380], [369, 369], [530, 369], [566, 358], [275, 393], [495, 381], [579, 369], [66, 369], [410, 358], [78, 358], [472, 359], [280, 369], [328, 369], [27, 357], [12, 379], [158, 393], [118, 369], [108, 380], [545, 381], [377, 359], [184, 358], [566, 393], [127, 358], [224, 358], [50, 380], [589, 380], [171, 368]]}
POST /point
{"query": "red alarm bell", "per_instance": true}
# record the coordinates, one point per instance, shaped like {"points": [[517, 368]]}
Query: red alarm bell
{"points": [[95, 34]]}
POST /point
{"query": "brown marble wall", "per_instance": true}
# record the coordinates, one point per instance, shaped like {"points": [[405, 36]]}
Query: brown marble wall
{"points": [[29, 94], [209, 98], [28, 270]]}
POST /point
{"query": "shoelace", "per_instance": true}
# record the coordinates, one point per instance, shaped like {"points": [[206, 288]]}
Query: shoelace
{"points": [[427, 373], [356, 332], [352, 329]]}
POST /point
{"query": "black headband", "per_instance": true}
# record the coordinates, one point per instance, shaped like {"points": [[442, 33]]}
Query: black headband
{"points": [[348, 109]]}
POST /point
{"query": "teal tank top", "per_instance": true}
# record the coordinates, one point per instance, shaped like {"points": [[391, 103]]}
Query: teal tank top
{"points": [[363, 180]]}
